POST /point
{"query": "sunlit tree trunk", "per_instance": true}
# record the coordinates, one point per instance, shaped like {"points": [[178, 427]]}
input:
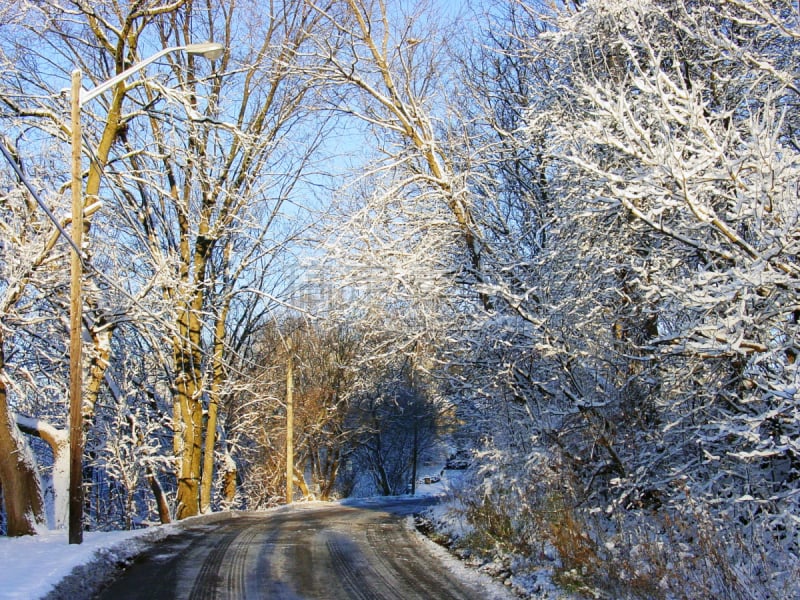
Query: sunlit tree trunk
{"points": [[229, 481], [188, 408], [217, 380]]}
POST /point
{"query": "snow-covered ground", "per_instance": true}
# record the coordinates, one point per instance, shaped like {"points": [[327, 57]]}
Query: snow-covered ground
{"points": [[521, 579], [46, 566], [33, 565]]}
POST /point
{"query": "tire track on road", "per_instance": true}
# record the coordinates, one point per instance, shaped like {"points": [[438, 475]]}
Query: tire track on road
{"points": [[305, 553], [236, 563], [204, 587], [393, 549], [353, 580]]}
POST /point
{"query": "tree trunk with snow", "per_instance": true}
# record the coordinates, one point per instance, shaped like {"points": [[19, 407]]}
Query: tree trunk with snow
{"points": [[215, 395], [188, 409], [22, 491], [58, 440]]}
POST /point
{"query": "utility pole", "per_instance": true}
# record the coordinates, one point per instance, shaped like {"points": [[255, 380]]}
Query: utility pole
{"points": [[75, 316], [289, 421]]}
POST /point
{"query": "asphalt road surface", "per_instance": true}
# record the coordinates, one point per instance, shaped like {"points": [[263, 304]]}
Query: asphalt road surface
{"points": [[319, 551]]}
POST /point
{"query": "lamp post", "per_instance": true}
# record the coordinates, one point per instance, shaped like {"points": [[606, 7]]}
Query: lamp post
{"points": [[79, 96]]}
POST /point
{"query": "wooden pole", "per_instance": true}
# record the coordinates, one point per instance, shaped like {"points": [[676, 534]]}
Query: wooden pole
{"points": [[75, 318], [289, 422]]}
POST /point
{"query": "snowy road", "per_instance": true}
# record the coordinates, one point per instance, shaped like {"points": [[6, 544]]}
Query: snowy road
{"points": [[311, 551]]}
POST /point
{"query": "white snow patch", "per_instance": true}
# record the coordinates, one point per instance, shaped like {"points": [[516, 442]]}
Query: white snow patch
{"points": [[34, 564]]}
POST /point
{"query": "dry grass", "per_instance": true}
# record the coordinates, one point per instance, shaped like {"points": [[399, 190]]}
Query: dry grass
{"points": [[677, 549]]}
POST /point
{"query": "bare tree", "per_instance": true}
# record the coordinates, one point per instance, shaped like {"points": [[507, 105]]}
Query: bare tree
{"points": [[398, 418], [35, 107], [195, 171], [388, 69], [216, 201], [324, 358]]}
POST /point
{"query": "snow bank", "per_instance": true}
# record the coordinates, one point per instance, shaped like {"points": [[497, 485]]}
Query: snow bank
{"points": [[46, 566]]}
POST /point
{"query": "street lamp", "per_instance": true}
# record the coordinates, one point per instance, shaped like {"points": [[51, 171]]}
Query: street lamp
{"points": [[78, 97]]}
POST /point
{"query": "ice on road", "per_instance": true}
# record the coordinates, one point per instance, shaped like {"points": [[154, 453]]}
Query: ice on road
{"points": [[331, 551]]}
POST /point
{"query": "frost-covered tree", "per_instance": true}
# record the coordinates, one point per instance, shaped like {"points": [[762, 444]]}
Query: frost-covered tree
{"points": [[212, 212], [129, 457], [658, 318], [412, 225], [678, 134]]}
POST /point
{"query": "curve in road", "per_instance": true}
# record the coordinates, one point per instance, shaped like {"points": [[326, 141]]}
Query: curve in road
{"points": [[313, 551]]}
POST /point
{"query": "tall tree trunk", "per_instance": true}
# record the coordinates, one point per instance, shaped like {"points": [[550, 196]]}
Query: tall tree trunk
{"points": [[101, 330], [217, 377], [187, 400], [206, 483], [188, 354], [188, 421]]}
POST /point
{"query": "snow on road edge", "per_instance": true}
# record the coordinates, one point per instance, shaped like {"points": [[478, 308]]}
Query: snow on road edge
{"points": [[493, 589], [46, 566]]}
